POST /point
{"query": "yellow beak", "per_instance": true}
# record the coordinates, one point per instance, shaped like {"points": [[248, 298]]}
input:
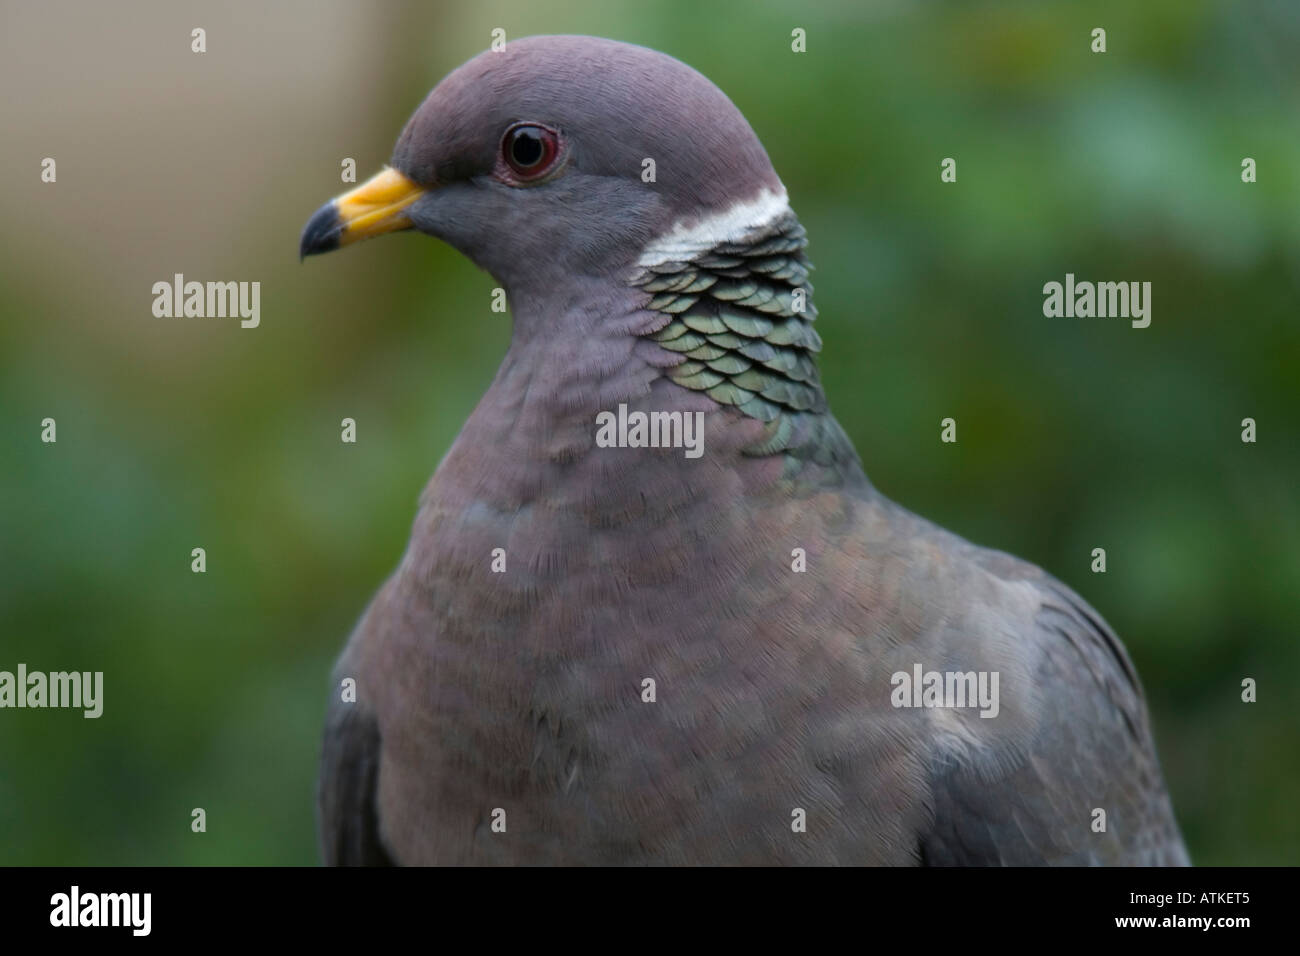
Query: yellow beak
{"points": [[375, 207]]}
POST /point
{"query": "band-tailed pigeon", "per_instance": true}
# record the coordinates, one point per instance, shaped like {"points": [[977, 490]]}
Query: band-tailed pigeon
{"points": [[732, 649]]}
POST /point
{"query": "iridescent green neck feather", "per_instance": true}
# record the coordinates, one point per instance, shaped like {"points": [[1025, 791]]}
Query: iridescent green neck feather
{"points": [[742, 316]]}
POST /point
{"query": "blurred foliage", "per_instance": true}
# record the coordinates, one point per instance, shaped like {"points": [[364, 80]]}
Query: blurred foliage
{"points": [[1074, 433]]}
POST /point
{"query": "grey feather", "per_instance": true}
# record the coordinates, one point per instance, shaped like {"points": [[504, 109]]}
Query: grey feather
{"points": [[502, 672]]}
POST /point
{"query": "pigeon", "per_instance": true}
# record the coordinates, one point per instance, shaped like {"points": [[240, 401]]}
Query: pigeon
{"points": [[652, 611]]}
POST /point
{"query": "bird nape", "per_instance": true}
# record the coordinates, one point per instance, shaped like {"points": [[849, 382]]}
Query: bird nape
{"points": [[608, 651]]}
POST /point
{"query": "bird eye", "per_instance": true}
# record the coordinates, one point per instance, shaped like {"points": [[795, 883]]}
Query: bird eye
{"points": [[529, 150]]}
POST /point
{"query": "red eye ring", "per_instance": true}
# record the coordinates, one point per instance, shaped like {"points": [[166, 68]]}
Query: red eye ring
{"points": [[530, 150]]}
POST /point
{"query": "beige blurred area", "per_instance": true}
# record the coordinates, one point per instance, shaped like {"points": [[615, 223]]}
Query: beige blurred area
{"points": [[206, 164]]}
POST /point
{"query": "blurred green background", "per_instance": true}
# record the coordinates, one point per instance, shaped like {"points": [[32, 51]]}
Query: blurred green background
{"points": [[1074, 433]]}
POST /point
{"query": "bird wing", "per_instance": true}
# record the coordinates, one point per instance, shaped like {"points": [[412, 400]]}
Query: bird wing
{"points": [[347, 794], [1032, 798]]}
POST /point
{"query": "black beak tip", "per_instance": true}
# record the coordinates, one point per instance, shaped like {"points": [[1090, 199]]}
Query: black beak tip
{"points": [[321, 233]]}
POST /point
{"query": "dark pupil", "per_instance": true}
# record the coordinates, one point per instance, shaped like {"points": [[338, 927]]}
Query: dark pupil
{"points": [[527, 147]]}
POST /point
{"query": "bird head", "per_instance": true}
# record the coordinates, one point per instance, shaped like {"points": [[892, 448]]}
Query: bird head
{"points": [[560, 156]]}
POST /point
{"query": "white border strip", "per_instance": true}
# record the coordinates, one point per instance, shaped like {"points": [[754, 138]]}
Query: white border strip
{"points": [[684, 243]]}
